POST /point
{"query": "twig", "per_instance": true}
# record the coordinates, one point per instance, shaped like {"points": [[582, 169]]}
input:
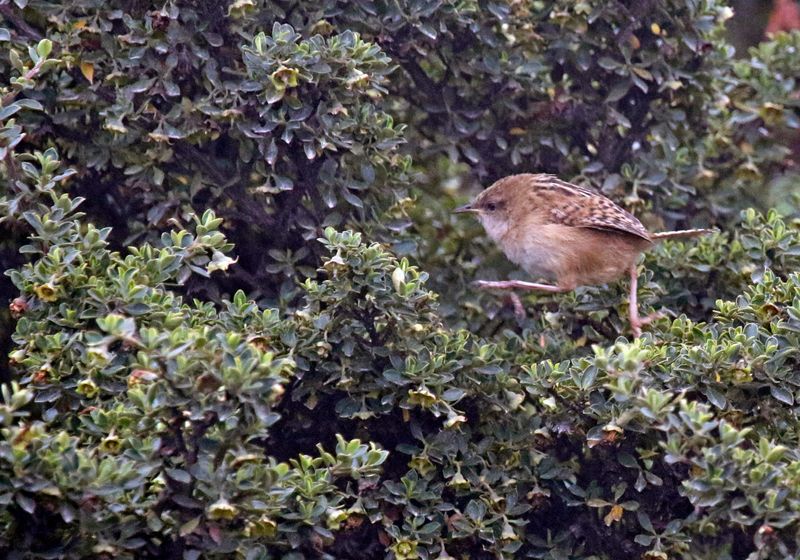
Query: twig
{"points": [[7, 11]]}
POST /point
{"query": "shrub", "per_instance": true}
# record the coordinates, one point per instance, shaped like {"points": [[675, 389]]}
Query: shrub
{"points": [[249, 363]]}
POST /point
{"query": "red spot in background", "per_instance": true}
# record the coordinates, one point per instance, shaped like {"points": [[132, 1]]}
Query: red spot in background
{"points": [[785, 16]]}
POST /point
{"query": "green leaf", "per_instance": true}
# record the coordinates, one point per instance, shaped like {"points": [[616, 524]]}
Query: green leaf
{"points": [[44, 48], [26, 503], [189, 527], [179, 474], [781, 394], [715, 397]]}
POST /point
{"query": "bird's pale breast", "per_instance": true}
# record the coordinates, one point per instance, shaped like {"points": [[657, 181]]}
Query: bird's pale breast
{"points": [[572, 256]]}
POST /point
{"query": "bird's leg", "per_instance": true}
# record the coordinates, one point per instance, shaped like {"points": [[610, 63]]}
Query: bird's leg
{"points": [[519, 310], [511, 284], [516, 304], [633, 307]]}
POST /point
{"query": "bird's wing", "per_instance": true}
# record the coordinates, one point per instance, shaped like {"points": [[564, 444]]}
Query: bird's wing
{"points": [[587, 209]]}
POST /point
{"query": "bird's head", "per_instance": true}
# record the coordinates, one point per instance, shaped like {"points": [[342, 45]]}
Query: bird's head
{"points": [[497, 206]]}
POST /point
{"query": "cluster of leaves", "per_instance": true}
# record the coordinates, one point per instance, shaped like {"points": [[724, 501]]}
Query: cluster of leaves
{"points": [[166, 109], [344, 403], [151, 414], [11, 134]]}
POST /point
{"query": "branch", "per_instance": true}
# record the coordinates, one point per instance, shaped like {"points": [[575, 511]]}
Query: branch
{"points": [[431, 89], [9, 13], [233, 189], [29, 75], [209, 419]]}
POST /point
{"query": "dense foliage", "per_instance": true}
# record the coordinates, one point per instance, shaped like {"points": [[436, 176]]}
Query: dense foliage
{"points": [[241, 313]]}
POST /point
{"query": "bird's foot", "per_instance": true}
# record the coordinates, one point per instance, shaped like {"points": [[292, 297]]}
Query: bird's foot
{"points": [[638, 322]]}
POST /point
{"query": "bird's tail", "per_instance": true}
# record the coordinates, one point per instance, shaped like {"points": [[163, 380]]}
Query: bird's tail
{"points": [[682, 234]]}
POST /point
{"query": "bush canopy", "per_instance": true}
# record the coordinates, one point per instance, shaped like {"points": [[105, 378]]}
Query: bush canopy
{"points": [[241, 320]]}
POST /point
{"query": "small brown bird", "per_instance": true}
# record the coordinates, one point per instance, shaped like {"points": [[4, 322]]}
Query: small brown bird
{"points": [[565, 234]]}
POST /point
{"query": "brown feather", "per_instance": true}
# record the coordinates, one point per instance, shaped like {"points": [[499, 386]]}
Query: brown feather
{"points": [[588, 209]]}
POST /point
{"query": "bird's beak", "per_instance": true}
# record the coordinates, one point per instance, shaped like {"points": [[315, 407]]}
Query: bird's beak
{"points": [[465, 209]]}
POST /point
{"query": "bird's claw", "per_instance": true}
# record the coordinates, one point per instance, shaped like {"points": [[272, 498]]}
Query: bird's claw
{"points": [[638, 322], [655, 316]]}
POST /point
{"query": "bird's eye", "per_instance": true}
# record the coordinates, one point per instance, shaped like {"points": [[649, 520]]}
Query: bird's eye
{"points": [[491, 207]]}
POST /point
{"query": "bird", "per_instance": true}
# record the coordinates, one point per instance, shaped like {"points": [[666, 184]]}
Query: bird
{"points": [[566, 235]]}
